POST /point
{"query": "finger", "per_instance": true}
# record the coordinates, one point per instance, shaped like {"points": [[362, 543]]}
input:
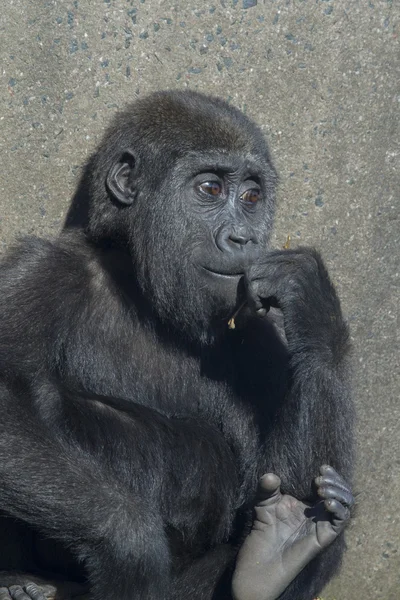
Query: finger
{"points": [[330, 477], [323, 481], [37, 593], [327, 492], [261, 282], [17, 593], [4, 594], [328, 471], [340, 514], [253, 299]]}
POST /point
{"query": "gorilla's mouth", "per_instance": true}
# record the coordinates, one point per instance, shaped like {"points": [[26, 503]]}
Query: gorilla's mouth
{"points": [[230, 275]]}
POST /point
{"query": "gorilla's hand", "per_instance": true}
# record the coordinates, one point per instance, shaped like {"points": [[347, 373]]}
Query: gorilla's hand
{"points": [[297, 282], [23, 586], [287, 534]]}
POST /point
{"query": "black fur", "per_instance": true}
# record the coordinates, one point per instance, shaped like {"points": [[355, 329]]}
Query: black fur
{"points": [[135, 424]]}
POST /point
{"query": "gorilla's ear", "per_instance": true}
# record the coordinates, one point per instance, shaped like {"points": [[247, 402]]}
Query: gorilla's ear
{"points": [[120, 179]]}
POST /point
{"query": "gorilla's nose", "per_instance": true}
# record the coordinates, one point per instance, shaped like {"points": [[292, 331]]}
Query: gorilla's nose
{"points": [[239, 238], [236, 239]]}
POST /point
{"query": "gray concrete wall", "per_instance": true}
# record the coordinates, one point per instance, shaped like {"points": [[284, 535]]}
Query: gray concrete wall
{"points": [[322, 79]]}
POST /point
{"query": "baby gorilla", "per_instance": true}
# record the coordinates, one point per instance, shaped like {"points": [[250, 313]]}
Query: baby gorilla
{"points": [[285, 536], [135, 423]]}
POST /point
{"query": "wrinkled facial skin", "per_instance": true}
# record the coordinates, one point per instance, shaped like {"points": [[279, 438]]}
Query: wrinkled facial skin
{"points": [[197, 198], [209, 221]]}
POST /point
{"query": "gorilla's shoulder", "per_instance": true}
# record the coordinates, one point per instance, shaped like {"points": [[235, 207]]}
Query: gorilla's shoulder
{"points": [[38, 273], [31, 254], [43, 285]]}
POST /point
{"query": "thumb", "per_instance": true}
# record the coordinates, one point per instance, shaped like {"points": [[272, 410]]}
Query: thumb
{"points": [[269, 489]]}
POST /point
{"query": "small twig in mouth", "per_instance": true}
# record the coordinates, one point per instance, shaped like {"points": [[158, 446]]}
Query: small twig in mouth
{"points": [[286, 245], [231, 322]]}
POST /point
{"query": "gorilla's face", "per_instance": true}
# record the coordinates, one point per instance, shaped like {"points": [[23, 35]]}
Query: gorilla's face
{"points": [[196, 187], [210, 219], [225, 202], [220, 206]]}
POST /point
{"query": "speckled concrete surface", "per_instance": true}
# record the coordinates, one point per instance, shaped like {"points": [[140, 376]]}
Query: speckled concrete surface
{"points": [[322, 79]]}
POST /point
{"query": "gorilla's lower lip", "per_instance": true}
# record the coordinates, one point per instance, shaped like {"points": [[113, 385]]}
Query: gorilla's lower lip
{"points": [[222, 274]]}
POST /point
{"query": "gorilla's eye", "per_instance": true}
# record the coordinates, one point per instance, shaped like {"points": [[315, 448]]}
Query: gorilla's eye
{"points": [[251, 196], [211, 188]]}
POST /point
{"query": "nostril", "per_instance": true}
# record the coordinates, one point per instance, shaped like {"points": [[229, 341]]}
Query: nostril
{"points": [[240, 240]]}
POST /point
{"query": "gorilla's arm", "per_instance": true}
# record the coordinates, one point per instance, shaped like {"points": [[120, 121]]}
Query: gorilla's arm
{"points": [[70, 496], [102, 503], [87, 470], [316, 423], [318, 413]]}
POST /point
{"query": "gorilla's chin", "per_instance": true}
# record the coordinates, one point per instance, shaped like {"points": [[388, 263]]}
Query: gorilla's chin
{"points": [[201, 314], [220, 297]]}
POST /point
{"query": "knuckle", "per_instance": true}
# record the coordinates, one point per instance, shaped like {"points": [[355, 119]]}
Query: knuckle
{"points": [[310, 260]]}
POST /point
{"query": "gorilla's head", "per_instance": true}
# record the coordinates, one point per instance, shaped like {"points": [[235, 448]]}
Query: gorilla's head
{"points": [[185, 181]]}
